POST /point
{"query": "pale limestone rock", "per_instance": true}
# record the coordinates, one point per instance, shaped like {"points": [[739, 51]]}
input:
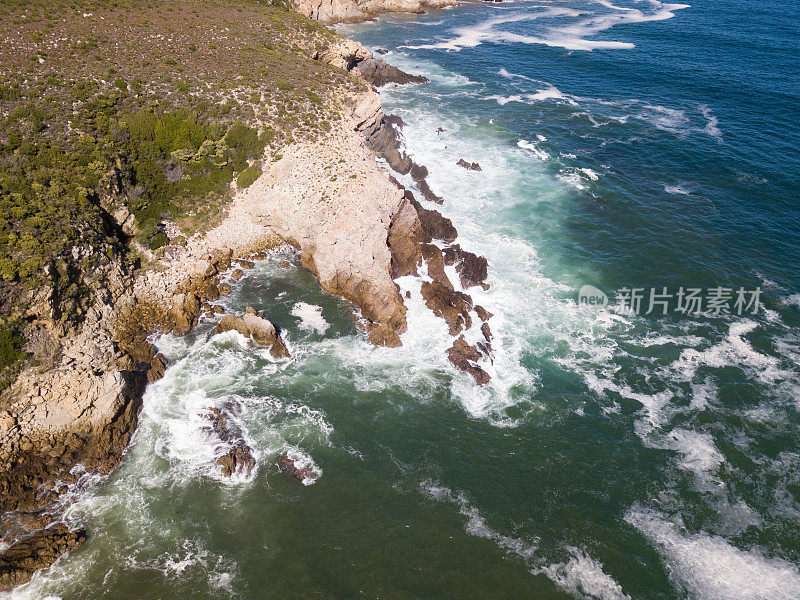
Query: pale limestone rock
{"points": [[338, 213], [348, 11]]}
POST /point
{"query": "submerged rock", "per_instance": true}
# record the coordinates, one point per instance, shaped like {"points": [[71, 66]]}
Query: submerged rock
{"points": [[468, 165], [289, 465], [20, 561], [236, 456]]}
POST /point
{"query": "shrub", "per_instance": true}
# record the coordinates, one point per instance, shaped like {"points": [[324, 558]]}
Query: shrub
{"points": [[10, 347], [248, 176]]}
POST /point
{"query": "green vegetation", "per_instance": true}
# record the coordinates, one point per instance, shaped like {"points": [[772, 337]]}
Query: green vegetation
{"points": [[10, 347], [11, 355], [115, 107], [248, 176]]}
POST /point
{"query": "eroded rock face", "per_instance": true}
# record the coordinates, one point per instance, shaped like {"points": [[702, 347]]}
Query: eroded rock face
{"points": [[260, 330], [452, 306], [435, 226], [338, 215], [471, 268], [20, 561]]}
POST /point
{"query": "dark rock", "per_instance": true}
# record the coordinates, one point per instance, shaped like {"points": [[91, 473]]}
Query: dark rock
{"points": [[427, 192], [237, 274], [435, 264], [469, 166], [418, 172], [483, 314], [158, 365], [381, 51], [236, 456], [378, 72], [246, 264], [464, 357], [395, 121], [487, 332], [472, 269], [237, 459], [385, 142], [450, 305], [20, 561], [288, 465], [434, 225]]}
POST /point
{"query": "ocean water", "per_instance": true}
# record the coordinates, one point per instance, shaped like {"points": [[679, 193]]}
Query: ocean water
{"points": [[614, 456]]}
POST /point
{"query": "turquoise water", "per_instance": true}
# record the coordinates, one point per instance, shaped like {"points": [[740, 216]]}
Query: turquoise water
{"points": [[628, 144]]}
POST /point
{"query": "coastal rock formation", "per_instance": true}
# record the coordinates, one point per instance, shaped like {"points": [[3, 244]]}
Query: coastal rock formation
{"points": [[235, 456], [260, 330], [351, 11], [20, 561], [465, 357], [352, 56], [378, 72], [338, 214], [471, 268]]}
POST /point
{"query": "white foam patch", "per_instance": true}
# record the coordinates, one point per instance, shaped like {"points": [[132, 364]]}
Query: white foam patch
{"points": [[565, 27], [311, 318], [734, 350], [708, 567], [584, 577], [534, 149], [476, 524], [679, 189], [574, 29]]}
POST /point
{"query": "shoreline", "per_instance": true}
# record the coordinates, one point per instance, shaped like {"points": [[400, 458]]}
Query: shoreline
{"points": [[107, 366]]}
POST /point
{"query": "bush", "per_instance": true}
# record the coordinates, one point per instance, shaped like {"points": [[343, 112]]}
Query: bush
{"points": [[10, 347], [248, 176]]}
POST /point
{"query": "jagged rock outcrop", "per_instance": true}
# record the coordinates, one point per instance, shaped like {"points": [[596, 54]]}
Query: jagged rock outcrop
{"points": [[257, 328], [351, 11], [471, 268], [378, 72], [235, 456], [352, 56], [20, 561], [466, 357]]}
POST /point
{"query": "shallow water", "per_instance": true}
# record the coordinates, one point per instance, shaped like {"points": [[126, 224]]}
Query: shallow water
{"points": [[628, 144]]}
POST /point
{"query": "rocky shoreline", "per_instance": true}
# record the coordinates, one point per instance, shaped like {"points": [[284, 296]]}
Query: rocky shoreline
{"points": [[78, 417]]}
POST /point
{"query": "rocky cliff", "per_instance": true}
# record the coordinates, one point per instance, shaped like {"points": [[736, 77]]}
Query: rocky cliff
{"points": [[351, 11]]}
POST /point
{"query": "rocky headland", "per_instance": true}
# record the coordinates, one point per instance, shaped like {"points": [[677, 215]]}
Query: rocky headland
{"points": [[72, 405]]}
